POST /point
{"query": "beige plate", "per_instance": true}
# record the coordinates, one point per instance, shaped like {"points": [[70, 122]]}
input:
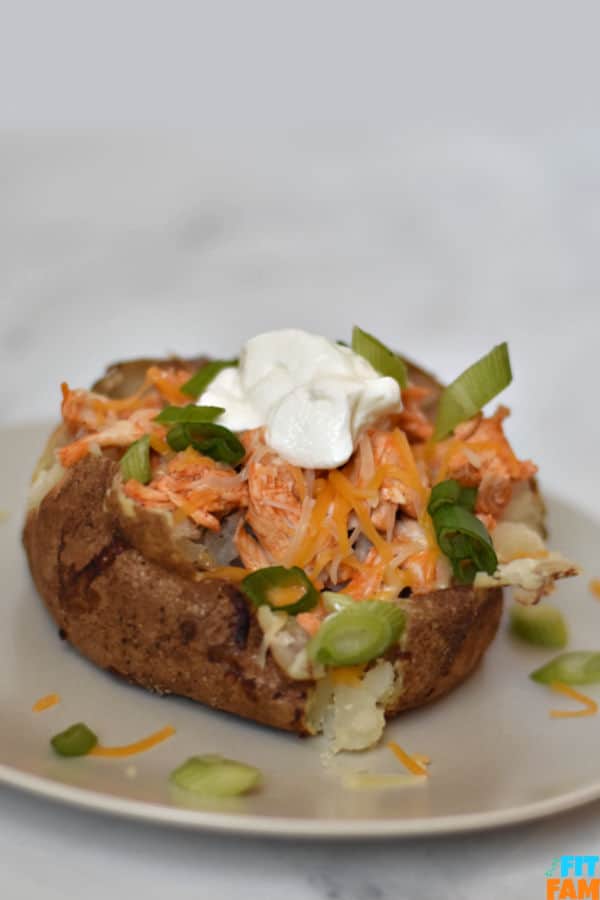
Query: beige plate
{"points": [[497, 757]]}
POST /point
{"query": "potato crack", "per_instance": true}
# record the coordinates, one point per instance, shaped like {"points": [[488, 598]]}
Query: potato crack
{"points": [[74, 584]]}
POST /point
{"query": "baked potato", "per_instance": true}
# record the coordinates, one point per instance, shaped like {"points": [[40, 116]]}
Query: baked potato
{"points": [[147, 595]]}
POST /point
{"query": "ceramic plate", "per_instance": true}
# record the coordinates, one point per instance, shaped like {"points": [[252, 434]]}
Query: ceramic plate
{"points": [[497, 756]]}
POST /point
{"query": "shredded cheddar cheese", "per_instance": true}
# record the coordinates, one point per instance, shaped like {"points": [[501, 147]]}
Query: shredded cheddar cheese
{"points": [[341, 509], [141, 746], [345, 487], [410, 472], [319, 512], [168, 385], [188, 457], [422, 759], [159, 444], [46, 702], [590, 706], [285, 595], [228, 573], [408, 761], [348, 675], [323, 559], [189, 507]]}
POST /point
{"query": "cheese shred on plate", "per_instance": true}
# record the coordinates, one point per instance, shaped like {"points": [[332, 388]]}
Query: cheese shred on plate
{"points": [[140, 746], [590, 706], [46, 702], [416, 768]]}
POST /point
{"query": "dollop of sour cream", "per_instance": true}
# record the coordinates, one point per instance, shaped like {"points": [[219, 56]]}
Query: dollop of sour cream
{"points": [[313, 396]]}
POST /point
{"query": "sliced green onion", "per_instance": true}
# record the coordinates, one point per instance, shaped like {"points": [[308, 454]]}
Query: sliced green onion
{"points": [[542, 625], [285, 590], [451, 493], [215, 776], [335, 601], [469, 393], [135, 462], [77, 740], [203, 377], [578, 667], [357, 634], [465, 541], [190, 413], [460, 534], [208, 439], [384, 360], [178, 437]]}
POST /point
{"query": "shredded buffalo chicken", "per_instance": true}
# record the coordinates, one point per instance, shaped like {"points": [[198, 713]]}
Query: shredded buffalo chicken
{"points": [[364, 526]]}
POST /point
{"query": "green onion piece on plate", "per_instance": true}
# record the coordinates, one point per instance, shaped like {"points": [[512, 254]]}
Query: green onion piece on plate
{"points": [[469, 393], [77, 740], [577, 667], [215, 776], [543, 625], [383, 360], [135, 462], [451, 493], [465, 541], [285, 590], [187, 414], [357, 634], [209, 439], [203, 377]]}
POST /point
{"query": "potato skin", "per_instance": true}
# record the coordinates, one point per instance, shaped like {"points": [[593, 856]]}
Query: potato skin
{"points": [[149, 615], [447, 634], [122, 379], [152, 626]]}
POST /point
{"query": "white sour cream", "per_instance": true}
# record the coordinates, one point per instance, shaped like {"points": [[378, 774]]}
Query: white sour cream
{"points": [[313, 396]]}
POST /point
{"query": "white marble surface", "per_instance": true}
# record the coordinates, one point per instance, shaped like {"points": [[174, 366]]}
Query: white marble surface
{"points": [[443, 242]]}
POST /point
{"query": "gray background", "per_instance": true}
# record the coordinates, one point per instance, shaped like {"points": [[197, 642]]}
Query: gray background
{"points": [[500, 68], [177, 176]]}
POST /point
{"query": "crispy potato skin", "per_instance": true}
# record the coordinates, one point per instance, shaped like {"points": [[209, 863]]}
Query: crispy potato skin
{"points": [[153, 534], [147, 615], [447, 634], [122, 379], [137, 619]]}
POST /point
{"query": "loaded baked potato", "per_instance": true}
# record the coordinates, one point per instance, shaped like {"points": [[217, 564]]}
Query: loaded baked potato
{"points": [[149, 576]]}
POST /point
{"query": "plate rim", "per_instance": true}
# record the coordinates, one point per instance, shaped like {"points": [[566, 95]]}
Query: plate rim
{"points": [[248, 825]]}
